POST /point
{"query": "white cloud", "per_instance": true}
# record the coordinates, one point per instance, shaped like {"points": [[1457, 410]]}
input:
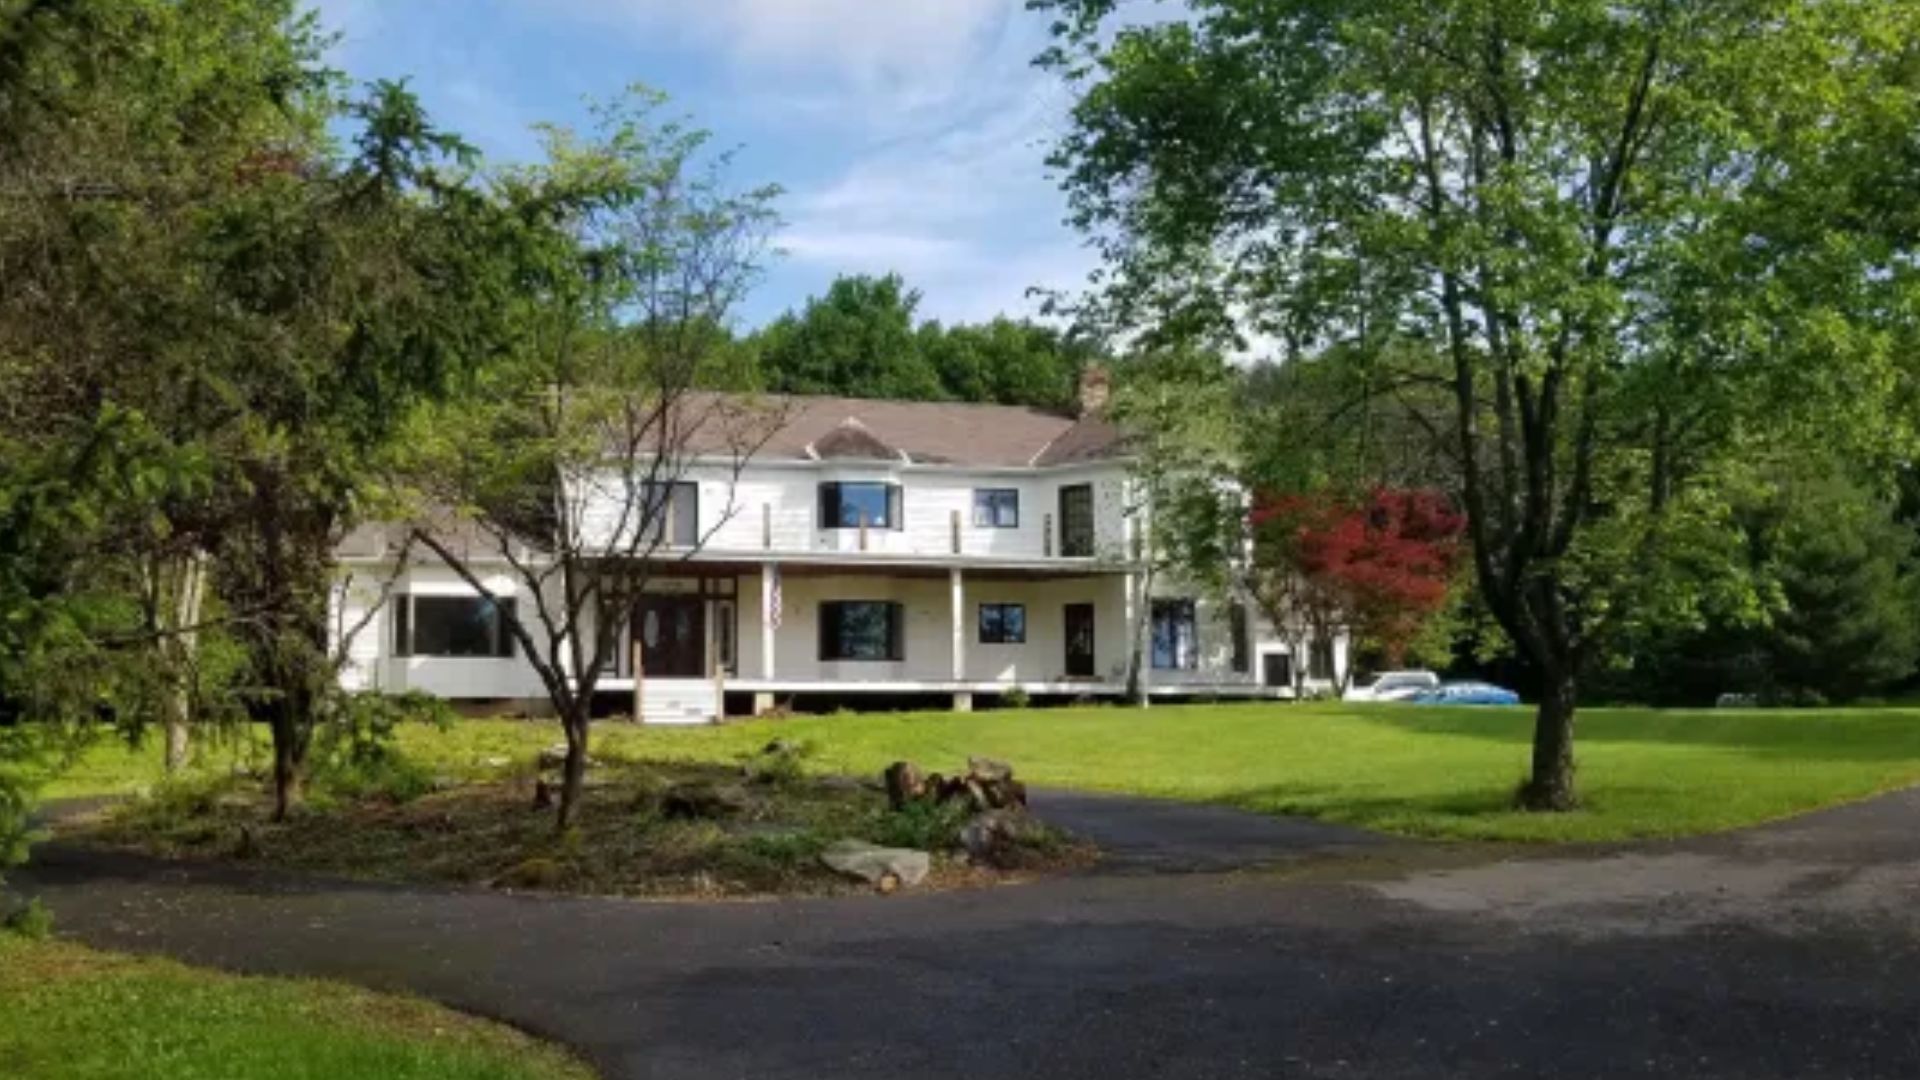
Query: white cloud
{"points": [[959, 202], [878, 46]]}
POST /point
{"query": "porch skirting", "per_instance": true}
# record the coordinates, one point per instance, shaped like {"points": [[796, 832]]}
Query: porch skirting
{"points": [[699, 701]]}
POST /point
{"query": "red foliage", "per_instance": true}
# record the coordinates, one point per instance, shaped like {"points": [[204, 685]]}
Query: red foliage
{"points": [[1387, 560]]}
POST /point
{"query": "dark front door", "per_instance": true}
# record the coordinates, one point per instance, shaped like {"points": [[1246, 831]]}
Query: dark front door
{"points": [[1276, 669], [672, 631], [1079, 632]]}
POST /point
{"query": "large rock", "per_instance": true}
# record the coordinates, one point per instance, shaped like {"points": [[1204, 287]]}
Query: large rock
{"points": [[997, 838], [885, 868]]}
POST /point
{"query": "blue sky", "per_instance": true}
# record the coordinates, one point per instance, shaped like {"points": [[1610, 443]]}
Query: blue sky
{"points": [[909, 134]]}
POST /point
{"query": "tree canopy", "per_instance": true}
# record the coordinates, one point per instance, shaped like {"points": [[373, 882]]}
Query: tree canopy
{"points": [[1632, 244], [863, 338]]}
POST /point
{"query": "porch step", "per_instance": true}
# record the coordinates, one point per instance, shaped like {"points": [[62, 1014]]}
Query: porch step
{"points": [[678, 701]]}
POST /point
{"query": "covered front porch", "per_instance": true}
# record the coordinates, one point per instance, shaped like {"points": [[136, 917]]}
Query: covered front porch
{"points": [[731, 638]]}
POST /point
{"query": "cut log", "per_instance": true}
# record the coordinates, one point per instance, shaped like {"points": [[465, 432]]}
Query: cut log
{"points": [[904, 784], [983, 768]]}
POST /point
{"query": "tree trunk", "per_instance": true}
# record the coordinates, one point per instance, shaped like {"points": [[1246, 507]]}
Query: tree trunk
{"points": [[1550, 787], [178, 745], [574, 777], [189, 594], [286, 768]]}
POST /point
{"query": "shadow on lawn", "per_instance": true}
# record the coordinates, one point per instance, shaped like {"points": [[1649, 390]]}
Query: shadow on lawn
{"points": [[1392, 813], [1860, 735]]}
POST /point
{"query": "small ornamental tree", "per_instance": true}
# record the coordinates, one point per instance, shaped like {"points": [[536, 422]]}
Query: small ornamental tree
{"points": [[1380, 569], [562, 461]]}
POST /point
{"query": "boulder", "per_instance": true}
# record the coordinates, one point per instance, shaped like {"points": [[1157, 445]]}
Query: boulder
{"points": [[904, 784], [995, 837], [886, 869], [702, 801]]}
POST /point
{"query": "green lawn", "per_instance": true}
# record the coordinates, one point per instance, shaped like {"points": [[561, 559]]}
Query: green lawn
{"points": [[76, 1014], [1415, 770]]}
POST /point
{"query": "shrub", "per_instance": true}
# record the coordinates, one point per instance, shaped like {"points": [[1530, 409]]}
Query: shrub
{"points": [[357, 755], [1016, 698], [782, 764], [31, 920], [785, 849], [927, 826], [393, 778]]}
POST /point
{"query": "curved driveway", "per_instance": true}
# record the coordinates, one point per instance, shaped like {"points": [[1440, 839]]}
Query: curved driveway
{"points": [[1787, 951]]}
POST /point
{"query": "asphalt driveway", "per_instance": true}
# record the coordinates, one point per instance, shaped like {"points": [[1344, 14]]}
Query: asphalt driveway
{"points": [[1788, 951]]}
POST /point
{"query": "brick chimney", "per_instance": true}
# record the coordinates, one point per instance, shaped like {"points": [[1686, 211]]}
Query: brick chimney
{"points": [[1096, 386]]}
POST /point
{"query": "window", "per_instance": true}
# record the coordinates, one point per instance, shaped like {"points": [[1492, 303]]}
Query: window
{"points": [[451, 626], [1173, 636], [1003, 624], [671, 514], [996, 508], [724, 627], [849, 506], [862, 630], [1237, 626], [1076, 521], [1320, 658]]}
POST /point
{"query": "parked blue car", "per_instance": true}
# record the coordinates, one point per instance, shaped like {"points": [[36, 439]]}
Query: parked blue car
{"points": [[1466, 693]]}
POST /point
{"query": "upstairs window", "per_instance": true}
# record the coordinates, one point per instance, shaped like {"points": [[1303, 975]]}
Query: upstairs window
{"points": [[451, 626], [1003, 624], [1320, 658], [996, 508], [1175, 640], [851, 505], [671, 514], [862, 630], [1076, 521]]}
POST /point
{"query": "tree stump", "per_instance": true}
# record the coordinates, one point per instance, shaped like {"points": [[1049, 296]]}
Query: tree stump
{"points": [[904, 784]]}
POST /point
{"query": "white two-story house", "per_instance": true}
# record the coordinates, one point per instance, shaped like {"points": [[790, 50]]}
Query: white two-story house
{"points": [[883, 553]]}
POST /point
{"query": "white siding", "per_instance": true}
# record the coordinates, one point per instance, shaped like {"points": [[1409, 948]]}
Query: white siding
{"points": [[774, 508], [376, 666], [768, 514]]}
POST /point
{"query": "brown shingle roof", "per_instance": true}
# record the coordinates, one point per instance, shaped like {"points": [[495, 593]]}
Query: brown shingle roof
{"points": [[927, 432]]}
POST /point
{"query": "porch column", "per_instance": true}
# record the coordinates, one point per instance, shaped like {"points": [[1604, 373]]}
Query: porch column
{"points": [[956, 580], [1139, 607], [769, 581]]}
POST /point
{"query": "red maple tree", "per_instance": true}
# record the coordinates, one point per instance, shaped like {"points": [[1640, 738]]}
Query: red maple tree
{"points": [[1379, 567]]}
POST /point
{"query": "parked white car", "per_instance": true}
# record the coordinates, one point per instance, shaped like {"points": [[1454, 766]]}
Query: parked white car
{"points": [[1393, 686]]}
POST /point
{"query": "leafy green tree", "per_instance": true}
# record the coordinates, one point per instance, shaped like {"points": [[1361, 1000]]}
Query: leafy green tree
{"points": [[358, 289], [1840, 595], [856, 340], [1647, 238], [128, 128], [1006, 362], [1851, 622], [1184, 510], [861, 340]]}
